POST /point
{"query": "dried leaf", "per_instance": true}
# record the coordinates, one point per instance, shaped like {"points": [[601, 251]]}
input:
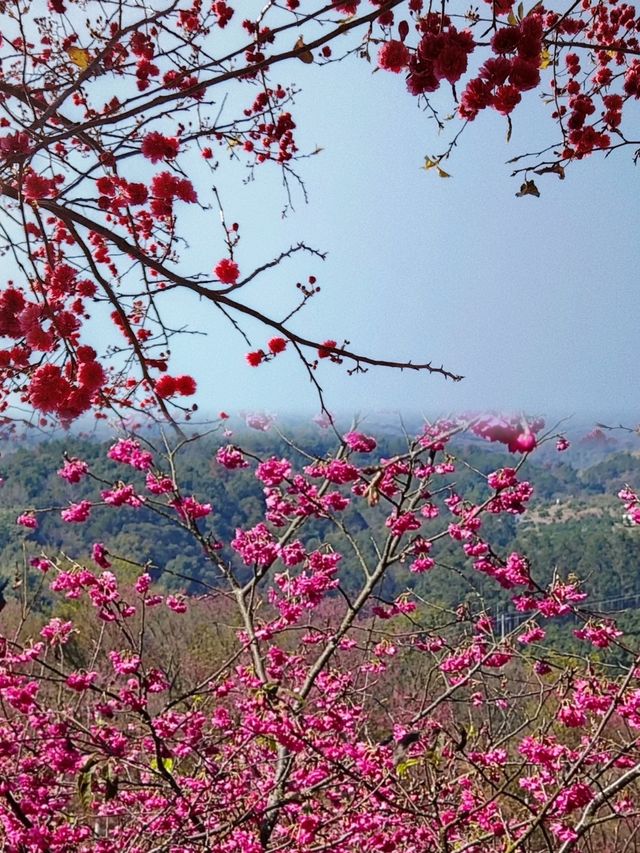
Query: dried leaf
{"points": [[511, 19], [509, 128], [80, 57], [372, 492], [84, 790], [430, 163], [556, 169], [545, 59], [520, 11], [528, 188], [306, 56]]}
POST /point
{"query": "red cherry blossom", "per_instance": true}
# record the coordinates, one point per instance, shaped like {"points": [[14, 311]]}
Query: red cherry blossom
{"points": [[227, 271], [393, 56]]}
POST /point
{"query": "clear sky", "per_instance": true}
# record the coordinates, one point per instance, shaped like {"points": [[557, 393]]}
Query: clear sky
{"points": [[534, 300]]}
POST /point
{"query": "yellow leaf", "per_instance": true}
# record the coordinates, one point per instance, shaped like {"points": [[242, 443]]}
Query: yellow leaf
{"points": [[405, 765], [545, 59], [511, 18], [167, 763], [429, 163], [84, 783], [80, 57]]}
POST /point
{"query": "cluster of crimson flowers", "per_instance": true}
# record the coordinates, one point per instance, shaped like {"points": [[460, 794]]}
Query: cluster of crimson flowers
{"points": [[38, 328], [442, 54], [328, 349], [45, 329], [514, 70], [521, 49], [275, 346]]}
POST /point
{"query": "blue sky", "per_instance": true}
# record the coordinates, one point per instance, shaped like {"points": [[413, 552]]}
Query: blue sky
{"points": [[533, 300]]}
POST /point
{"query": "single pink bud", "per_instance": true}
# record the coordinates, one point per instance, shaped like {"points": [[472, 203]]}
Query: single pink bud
{"points": [[525, 442]]}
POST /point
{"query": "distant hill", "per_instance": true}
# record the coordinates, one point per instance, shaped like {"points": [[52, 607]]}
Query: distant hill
{"points": [[574, 525]]}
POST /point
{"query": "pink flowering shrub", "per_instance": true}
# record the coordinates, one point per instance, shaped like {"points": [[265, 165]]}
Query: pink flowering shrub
{"points": [[286, 709], [294, 704]]}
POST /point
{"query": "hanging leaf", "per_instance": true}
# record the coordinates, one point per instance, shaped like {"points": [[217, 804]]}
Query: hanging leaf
{"points": [[433, 757], [305, 56], [509, 128], [430, 163], [556, 169], [528, 188], [80, 57], [372, 492], [545, 58]]}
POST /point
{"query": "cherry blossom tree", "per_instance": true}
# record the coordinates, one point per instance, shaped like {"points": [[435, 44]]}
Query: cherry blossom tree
{"points": [[116, 115], [326, 717]]}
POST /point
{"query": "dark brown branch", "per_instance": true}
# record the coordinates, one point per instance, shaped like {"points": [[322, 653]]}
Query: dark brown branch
{"points": [[67, 215]]}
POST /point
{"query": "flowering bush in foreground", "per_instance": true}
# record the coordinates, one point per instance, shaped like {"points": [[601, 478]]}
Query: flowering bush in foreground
{"points": [[321, 717], [284, 709], [114, 119]]}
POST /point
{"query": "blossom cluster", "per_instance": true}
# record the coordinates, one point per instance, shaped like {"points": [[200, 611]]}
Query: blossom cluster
{"points": [[310, 665]]}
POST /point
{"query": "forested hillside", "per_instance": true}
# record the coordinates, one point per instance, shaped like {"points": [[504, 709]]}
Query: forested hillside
{"points": [[574, 523]]}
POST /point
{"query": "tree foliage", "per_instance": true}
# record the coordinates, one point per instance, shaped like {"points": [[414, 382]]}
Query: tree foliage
{"points": [[116, 116], [316, 691]]}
